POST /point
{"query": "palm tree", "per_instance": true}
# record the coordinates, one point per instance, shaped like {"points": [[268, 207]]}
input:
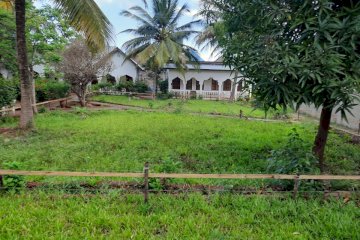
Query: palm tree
{"points": [[159, 39], [84, 15]]}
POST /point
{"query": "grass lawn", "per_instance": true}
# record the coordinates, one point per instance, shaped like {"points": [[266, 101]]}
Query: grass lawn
{"points": [[112, 216], [189, 106], [124, 140]]}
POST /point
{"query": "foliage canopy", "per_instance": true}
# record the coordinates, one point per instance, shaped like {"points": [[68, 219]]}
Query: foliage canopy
{"points": [[295, 52]]}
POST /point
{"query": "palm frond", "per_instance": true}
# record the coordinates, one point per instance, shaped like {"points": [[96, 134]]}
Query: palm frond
{"points": [[7, 5], [129, 14], [158, 39], [180, 13], [86, 17]]}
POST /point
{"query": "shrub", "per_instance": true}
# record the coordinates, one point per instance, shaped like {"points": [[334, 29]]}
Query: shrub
{"points": [[139, 87], [294, 158], [129, 86], [8, 92], [102, 85], [48, 90], [13, 182], [164, 88], [165, 96]]}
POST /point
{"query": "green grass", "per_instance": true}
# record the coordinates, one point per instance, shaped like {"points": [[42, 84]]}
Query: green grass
{"points": [[172, 142], [189, 106], [124, 141], [43, 216]]}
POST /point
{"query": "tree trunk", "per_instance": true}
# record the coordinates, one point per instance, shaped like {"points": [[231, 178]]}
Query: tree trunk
{"points": [[233, 89], [322, 135], [155, 85], [33, 95], [27, 116]]}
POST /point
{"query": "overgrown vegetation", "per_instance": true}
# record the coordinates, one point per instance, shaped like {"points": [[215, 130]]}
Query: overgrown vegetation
{"points": [[50, 89], [123, 141], [139, 87], [8, 92], [193, 106], [191, 216], [293, 53]]}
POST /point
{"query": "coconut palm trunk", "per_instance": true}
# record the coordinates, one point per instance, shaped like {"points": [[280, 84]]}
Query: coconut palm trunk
{"points": [[33, 95], [26, 84]]}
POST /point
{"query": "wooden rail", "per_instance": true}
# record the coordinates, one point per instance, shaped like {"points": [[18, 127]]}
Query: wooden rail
{"points": [[9, 109], [146, 175], [179, 175], [52, 101], [37, 104]]}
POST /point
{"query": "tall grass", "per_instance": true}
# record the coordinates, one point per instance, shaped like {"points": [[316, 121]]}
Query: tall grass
{"points": [[43, 216], [123, 141], [189, 106]]}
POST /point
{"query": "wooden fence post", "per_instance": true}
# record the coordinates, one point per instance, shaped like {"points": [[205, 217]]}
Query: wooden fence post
{"points": [[146, 182], [1, 183], [296, 186]]}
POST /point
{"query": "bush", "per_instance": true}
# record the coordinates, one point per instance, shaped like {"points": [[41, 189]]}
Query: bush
{"points": [[164, 87], [48, 90], [102, 85], [8, 92], [294, 158], [163, 96], [13, 182], [139, 87]]}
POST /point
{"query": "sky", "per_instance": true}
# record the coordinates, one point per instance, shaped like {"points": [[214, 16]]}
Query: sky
{"points": [[112, 9]]}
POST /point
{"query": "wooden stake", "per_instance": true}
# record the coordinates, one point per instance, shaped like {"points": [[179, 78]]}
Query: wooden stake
{"points": [[146, 182], [1, 182], [296, 186]]}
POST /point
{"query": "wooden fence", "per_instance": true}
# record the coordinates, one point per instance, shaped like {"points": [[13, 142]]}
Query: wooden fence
{"points": [[61, 101], [147, 175]]}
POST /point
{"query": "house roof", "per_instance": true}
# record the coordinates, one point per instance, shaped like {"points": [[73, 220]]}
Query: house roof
{"points": [[203, 65], [200, 65]]}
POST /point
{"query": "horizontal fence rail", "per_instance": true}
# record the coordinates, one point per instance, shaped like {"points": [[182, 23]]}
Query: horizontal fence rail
{"points": [[146, 175], [179, 175], [13, 109]]}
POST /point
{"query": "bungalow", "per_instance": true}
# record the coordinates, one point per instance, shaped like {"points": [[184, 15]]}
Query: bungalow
{"points": [[209, 80]]}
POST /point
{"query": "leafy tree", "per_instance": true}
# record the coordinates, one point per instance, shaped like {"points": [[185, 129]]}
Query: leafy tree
{"points": [[7, 41], [159, 39], [48, 33], [296, 52], [84, 15]]}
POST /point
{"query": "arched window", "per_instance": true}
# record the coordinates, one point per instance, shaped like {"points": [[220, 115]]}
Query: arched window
{"points": [[189, 84], [110, 79], [214, 85], [227, 85], [239, 86], [175, 83]]}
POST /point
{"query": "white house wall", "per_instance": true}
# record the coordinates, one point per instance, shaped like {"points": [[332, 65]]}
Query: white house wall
{"points": [[202, 75], [120, 68], [5, 73]]}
